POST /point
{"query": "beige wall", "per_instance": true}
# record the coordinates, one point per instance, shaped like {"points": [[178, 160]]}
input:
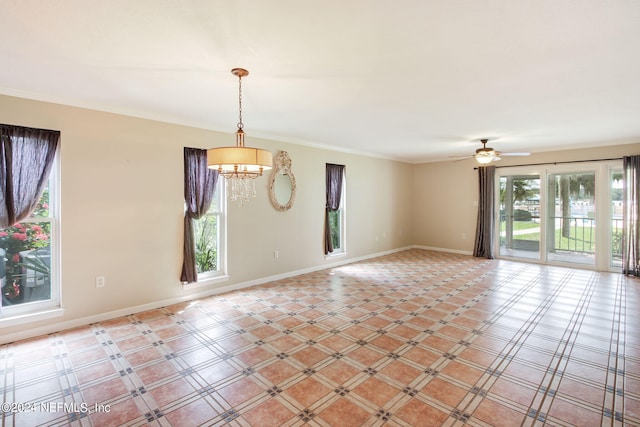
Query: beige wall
{"points": [[122, 208], [445, 214]]}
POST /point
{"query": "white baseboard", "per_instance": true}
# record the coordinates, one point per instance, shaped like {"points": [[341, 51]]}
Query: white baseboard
{"points": [[451, 251]]}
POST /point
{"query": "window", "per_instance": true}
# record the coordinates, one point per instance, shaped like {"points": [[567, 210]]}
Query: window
{"points": [[28, 254], [209, 232], [335, 227], [204, 221], [335, 243]]}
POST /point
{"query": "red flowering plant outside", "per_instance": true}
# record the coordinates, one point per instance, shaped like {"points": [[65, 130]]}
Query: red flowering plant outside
{"points": [[23, 237], [16, 239]]}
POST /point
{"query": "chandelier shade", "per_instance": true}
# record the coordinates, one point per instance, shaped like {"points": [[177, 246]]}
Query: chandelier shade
{"points": [[239, 160]]}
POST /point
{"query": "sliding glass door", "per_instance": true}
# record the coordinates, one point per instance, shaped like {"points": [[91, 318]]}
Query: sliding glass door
{"points": [[571, 219], [564, 214], [519, 221], [615, 202]]}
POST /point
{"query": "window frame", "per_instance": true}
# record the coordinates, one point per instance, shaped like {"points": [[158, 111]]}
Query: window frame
{"points": [[615, 265], [342, 212], [36, 310], [220, 274]]}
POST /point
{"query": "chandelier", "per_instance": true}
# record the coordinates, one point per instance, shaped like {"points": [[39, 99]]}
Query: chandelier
{"points": [[240, 165]]}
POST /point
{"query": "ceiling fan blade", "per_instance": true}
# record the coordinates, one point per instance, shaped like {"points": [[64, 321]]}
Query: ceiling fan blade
{"points": [[486, 154], [459, 159]]}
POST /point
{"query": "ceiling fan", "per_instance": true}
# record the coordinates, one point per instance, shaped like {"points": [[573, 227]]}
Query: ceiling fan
{"points": [[487, 155]]}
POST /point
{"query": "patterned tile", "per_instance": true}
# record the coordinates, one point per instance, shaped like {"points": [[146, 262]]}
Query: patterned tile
{"points": [[416, 412], [344, 413], [412, 338], [271, 413], [376, 391], [307, 391]]}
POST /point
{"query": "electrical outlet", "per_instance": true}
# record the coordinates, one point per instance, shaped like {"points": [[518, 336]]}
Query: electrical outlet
{"points": [[276, 254], [100, 282]]}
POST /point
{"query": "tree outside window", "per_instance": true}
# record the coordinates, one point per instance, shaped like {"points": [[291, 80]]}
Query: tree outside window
{"points": [[208, 234], [25, 257]]}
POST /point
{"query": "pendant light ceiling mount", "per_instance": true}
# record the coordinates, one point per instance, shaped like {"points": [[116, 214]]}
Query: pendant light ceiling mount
{"points": [[240, 72]]}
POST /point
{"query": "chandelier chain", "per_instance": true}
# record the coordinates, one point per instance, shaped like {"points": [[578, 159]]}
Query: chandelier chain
{"points": [[240, 124]]}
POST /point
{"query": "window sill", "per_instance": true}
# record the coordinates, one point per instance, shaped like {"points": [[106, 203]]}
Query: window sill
{"points": [[336, 255], [21, 319], [206, 281]]}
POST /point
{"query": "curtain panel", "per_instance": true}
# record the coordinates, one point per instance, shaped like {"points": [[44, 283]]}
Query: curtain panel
{"points": [[485, 224], [630, 213], [334, 175], [26, 159], [199, 187]]}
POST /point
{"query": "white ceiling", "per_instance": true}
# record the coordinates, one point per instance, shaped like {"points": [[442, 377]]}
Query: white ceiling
{"points": [[414, 80]]}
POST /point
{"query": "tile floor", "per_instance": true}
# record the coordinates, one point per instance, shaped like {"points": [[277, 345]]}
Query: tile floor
{"points": [[416, 338]]}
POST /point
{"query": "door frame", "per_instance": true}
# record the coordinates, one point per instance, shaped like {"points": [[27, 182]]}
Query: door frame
{"points": [[602, 200]]}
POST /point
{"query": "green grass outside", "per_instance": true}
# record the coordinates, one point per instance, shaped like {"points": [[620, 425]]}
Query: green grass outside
{"points": [[581, 239], [521, 225]]}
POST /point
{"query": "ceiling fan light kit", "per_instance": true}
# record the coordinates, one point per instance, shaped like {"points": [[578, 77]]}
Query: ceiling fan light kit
{"points": [[486, 155], [485, 158]]}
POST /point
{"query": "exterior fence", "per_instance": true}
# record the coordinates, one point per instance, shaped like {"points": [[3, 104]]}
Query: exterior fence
{"points": [[581, 239]]}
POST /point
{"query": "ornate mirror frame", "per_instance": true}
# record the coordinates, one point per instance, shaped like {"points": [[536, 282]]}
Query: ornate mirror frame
{"points": [[282, 167]]}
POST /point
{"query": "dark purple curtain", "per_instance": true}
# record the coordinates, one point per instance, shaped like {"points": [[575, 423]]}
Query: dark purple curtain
{"points": [[630, 215], [26, 159], [334, 174], [199, 186], [484, 227]]}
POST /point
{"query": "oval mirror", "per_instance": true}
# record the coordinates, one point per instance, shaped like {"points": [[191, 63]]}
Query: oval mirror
{"points": [[282, 186], [282, 189]]}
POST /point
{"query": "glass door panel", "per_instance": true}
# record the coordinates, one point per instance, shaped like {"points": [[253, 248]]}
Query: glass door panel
{"points": [[571, 223], [520, 216], [615, 199]]}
